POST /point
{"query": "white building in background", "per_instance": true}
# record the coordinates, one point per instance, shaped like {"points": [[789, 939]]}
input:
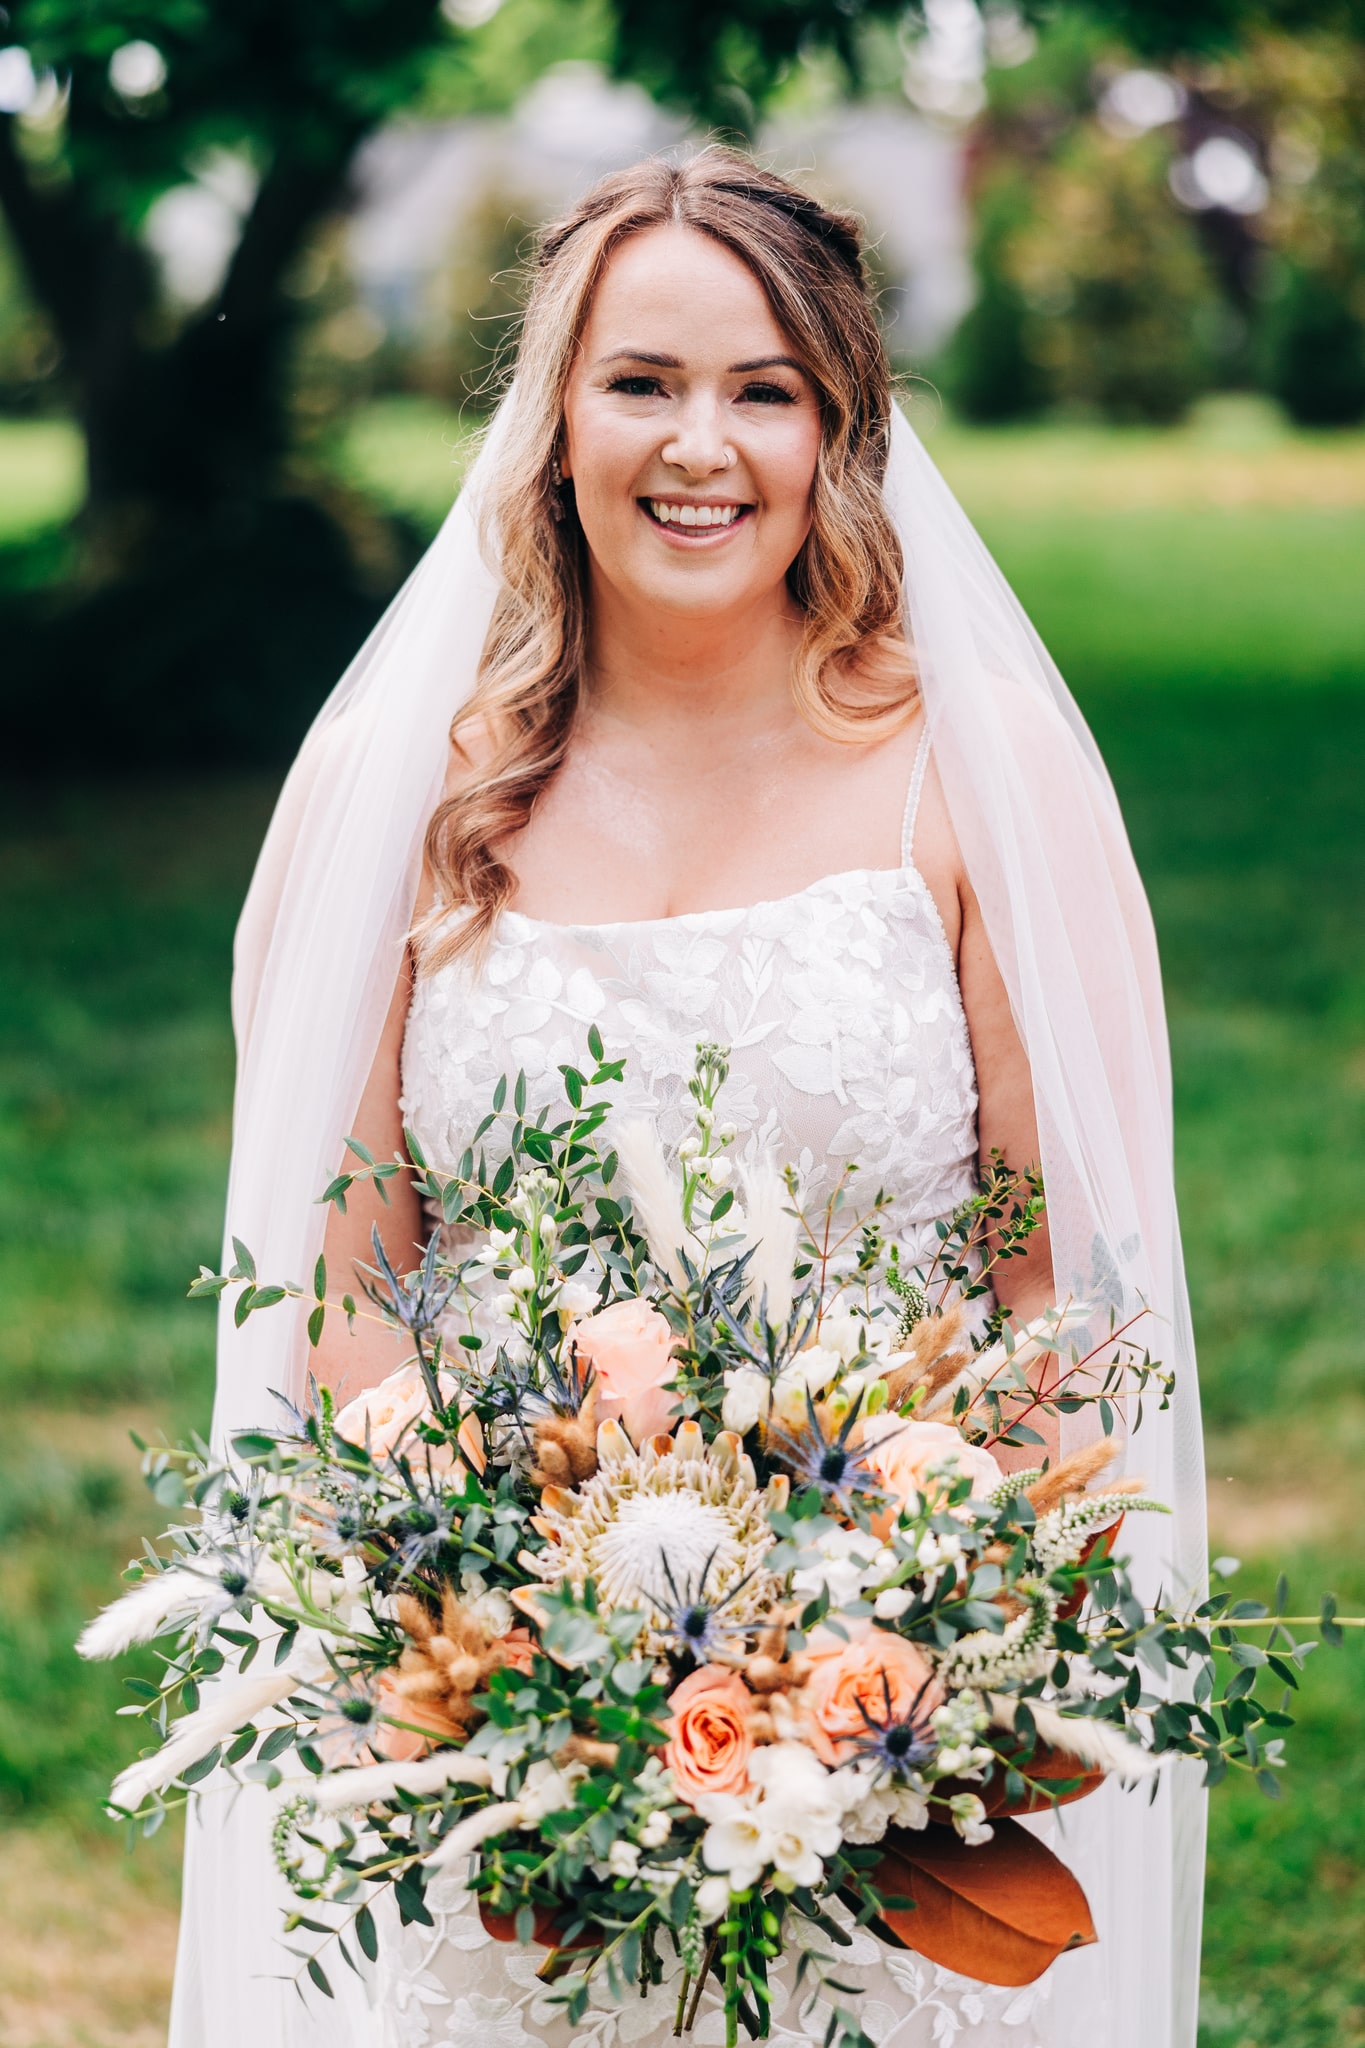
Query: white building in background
{"points": [[416, 185]]}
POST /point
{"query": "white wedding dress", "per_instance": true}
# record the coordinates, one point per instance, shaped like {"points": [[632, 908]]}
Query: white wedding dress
{"points": [[841, 1009]]}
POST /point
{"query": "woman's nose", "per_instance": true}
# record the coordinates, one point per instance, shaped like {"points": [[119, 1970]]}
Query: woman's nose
{"points": [[697, 443]]}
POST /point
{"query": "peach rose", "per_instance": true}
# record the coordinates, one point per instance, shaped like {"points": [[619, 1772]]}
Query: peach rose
{"points": [[900, 1453], [391, 1410], [709, 1745], [629, 1346], [851, 1677]]}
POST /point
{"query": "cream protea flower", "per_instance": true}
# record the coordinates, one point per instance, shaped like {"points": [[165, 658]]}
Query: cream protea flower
{"points": [[673, 1523]]}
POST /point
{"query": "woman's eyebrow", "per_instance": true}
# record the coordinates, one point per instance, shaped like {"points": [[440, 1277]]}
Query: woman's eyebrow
{"points": [[658, 362], [768, 363], [642, 355]]}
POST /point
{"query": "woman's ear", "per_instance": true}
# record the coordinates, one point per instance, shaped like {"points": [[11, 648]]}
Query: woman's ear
{"points": [[560, 461]]}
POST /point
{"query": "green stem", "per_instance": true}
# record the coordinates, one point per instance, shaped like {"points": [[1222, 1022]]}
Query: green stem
{"points": [[732, 1992]]}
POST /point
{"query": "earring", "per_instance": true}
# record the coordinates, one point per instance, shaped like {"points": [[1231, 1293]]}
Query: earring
{"points": [[557, 483]]}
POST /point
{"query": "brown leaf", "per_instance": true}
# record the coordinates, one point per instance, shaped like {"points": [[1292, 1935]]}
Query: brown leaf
{"points": [[1001, 1912], [503, 1927], [1051, 1766]]}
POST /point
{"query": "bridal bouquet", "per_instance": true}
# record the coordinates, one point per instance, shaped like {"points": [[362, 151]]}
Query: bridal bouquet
{"points": [[674, 1585]]}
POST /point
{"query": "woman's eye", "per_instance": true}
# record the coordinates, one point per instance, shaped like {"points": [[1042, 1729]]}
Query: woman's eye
{"points": [[768, 394], [635, 387]]}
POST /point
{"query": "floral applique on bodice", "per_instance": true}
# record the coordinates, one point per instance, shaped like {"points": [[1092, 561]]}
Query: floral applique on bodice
{"points": [[839, 1005]]}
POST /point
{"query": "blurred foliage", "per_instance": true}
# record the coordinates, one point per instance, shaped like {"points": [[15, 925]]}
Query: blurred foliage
{"points": [[474, 301], [990, 372], [1123, 307], [1307, 96]]}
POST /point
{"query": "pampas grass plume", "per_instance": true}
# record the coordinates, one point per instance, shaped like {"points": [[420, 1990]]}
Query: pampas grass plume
{"points": [[655, 1192]]}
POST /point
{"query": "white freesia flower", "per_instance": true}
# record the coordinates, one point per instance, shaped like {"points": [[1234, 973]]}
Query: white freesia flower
{"points": [[717, 1171], [501, 1243], [521, 1280], [849, 1560], [547, 1789], [736, 1842], [893, 1603], [969, 1818], [575, 1298], [809, 1373], [713, 1899], [746, 1398]]}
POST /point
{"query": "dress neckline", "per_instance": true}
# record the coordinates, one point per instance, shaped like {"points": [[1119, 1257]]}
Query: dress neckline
{"points": [[907, 873]]}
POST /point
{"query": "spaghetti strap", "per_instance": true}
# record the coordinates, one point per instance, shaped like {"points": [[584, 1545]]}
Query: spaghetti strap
{"points": [[912, 799]]}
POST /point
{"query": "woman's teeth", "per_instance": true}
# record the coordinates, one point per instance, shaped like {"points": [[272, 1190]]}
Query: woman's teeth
{"points": [[694, 515]]}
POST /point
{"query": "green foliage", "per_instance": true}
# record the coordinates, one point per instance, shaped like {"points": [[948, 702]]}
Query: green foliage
{"points": [[1313, 346], [991, 373]]}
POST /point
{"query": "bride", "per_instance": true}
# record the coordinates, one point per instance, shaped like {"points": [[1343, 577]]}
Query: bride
{"points": [[707, 717]]}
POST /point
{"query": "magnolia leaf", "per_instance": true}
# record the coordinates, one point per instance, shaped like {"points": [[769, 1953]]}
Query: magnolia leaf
{"points": [[1001, 1912]]}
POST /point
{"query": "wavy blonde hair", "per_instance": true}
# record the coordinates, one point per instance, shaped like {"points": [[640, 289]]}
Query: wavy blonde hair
{"points": [[853, 678]]}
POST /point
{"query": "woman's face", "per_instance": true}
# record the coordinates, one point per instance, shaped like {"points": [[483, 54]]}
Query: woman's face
{"points": [[691, 432]]}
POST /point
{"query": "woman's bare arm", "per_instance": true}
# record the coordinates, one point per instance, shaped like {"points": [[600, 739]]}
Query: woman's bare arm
{"points": [[1006, 1119], [349, 1363]]}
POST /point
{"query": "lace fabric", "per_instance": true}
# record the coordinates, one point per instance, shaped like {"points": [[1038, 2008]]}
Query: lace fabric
{"points": [[451, 1985]]}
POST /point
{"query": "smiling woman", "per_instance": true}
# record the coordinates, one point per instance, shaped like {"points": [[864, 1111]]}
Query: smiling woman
{"points": [[753, 765]]}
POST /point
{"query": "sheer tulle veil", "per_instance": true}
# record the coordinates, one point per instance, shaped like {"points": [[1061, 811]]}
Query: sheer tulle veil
{"points": [[1040, 830]]}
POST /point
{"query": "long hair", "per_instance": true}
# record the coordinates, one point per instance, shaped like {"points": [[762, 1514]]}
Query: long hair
{"points": [[853, 678]]}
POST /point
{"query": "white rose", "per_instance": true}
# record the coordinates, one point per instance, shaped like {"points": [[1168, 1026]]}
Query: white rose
{"points": [[494, 1610]]}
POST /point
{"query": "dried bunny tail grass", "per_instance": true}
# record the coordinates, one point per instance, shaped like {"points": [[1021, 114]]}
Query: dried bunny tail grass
{"points": [[1069, 1479], [655, 1193], [566, 1445], [936, 1350], [368, 1784], [1093, 1743], [445, 1663], [773, 1229]]}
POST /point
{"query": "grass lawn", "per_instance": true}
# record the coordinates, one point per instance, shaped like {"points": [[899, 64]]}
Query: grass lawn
{"points": [[1203, 593]]}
